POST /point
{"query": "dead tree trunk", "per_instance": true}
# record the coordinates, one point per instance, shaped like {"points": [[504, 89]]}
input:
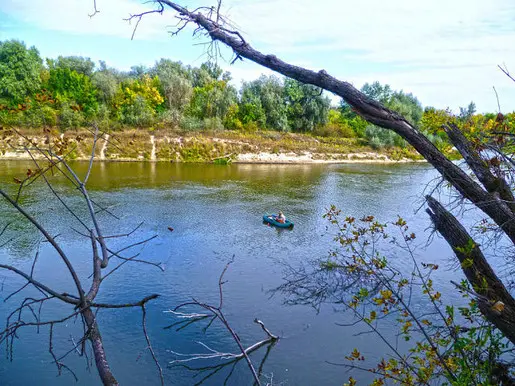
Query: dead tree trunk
{"points": [[494, 300], [95, 338]]}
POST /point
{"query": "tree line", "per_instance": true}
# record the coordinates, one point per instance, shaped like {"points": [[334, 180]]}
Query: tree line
{"points": [[68, 92]]}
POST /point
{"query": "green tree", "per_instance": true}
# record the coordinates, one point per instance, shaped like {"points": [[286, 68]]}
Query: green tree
{"points": [[206, 73], [106, 81], [467, 112], [405, 104], [212, 100], [138, 101], [20, 70], [251, 110], [349, 116], [137, 71], [378, 92], [337, 126], [307, 108], [71, 88], [176, 87], [79, 64], [262, 101]]}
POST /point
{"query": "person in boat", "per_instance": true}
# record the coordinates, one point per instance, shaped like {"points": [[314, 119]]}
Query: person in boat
{"points": [[280, 218]]}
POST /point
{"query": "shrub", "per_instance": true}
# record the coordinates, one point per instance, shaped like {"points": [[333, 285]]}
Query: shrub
{"points": [[379, 138], [70, 118], [233, 123], [138, 113], [213, 124], [103, 116], [342, 130], [250, 127], [172, 117], [8, 117], [40, 115], [437, 140], [191, 124]]}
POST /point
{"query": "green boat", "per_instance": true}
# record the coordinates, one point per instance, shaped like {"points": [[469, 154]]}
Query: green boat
{"points": [[271, 219]]}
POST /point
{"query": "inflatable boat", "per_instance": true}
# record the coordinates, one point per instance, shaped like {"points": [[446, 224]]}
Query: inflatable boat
{"points": [[271, 219]]}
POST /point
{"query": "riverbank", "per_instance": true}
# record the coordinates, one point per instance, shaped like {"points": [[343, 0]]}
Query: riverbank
{"points": [[203, 147]]}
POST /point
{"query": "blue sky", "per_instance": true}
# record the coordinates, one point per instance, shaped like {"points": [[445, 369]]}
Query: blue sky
{"points": [[444, 51]]}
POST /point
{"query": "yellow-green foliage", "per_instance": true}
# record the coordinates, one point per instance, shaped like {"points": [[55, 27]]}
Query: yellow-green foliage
{"points": [[145, 87], [335, 127]]}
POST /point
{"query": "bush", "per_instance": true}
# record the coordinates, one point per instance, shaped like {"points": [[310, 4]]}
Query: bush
{"points": [[10, 117], [70, 118], [341, 130], [103, 115], [191, 124], [376, 143], [171, 117], [213, 124], [233, 124], [379, 138], [40, 115], [250, 127], [437, 140], [138, 113]]}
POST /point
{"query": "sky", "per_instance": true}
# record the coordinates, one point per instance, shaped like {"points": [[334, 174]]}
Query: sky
{"points": [[445, 52]]}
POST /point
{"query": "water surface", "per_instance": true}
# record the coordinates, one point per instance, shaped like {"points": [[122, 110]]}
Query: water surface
{"points": [[216, 213]]}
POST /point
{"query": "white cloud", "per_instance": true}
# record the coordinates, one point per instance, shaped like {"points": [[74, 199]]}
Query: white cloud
{"points": [[445, 52]]}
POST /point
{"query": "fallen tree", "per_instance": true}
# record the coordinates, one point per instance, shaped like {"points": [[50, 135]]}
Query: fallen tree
{"points": [[488, 186]]}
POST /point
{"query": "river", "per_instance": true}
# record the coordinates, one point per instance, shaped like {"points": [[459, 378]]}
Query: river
{"points": [[216, 213]]}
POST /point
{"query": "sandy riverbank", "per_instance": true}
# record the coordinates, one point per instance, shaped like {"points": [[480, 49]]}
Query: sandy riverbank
{"points": [[143, 146], [251, 158], [315, 158]]}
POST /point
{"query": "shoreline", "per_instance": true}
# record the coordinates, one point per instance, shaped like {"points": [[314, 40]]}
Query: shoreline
{"points": [[252, 158], [219, 148]]}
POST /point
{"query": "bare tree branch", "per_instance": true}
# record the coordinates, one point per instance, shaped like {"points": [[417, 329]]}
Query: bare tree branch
{"points": [[95, 10], [506, 72], [28, 313], [216, 312], [149, 345], [51, 240]]}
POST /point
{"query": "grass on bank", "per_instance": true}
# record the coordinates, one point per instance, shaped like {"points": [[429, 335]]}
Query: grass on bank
{"points": [[205, 146]]}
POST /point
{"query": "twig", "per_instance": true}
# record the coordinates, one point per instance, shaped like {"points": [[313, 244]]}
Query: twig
{"points": [[149, 345], [56, 361], [139, 303], [95, 10], [506, 72], [140, 16], [92, 157], [51, 241], [497, 97]]}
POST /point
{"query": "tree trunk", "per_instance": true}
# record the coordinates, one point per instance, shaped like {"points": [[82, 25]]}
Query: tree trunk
{"points": [[495, 302]]}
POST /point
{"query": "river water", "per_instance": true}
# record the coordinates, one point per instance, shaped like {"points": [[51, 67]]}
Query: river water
{"points": [[216, 213]]}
